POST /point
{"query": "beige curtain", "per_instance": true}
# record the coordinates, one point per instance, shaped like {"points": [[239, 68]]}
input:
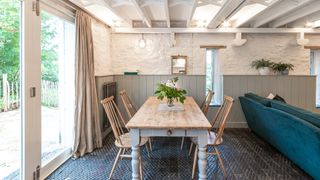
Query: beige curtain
{"points": [[87, 125]]}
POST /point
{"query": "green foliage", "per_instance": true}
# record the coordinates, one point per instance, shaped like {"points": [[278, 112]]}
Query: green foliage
{"points": [[171, 91], [10, 39], [280, 67], [261, 63], [10, 42], [49, 48]]}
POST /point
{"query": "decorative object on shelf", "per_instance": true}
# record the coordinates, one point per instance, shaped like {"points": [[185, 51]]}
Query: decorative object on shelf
{"points": [[282, 68], [171, 91], [179, 64], [263, 66]]}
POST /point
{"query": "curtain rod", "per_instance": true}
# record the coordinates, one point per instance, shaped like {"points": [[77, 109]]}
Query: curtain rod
{"points": [[76, 7]]}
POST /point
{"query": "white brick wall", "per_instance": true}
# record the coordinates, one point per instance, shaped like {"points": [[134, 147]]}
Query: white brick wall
{"points": [[126, 55], [102, 55]]}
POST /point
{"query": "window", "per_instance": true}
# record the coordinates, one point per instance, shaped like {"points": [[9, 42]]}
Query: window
{"points": [[213, 76], [315, 70]]}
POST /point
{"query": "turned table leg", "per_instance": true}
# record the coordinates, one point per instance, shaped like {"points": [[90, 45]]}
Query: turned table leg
{"points": [[135, 162], [202, 154]]}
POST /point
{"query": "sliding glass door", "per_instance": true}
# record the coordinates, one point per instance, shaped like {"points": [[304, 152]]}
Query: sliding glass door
{"points": [[57, 89], [37, 70], [10, 111]]}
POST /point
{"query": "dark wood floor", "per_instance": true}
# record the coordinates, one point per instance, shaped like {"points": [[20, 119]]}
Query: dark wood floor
{"points": [[245, 155]]}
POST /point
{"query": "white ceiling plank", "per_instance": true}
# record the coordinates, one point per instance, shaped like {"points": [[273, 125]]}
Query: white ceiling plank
{"points": [[218, 30], [269, 6], [150, 3], [167, 13], [108, 6], [302, 21], [297, 14], [179, 2], [229, 7], [141, 13], [193, 9], [275, 11]]}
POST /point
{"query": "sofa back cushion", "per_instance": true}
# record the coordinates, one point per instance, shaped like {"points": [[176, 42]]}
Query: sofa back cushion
{"points": [[261, 100], [301, 113]]}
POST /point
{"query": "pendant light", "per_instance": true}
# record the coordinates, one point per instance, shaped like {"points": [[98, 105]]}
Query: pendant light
{"points": [[142, 42]]}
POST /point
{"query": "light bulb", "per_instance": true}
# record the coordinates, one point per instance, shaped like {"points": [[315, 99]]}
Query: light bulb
{"points": [[142, 43]]}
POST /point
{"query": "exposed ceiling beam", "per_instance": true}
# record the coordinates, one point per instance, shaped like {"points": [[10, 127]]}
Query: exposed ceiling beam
{"points": [[228, 8], [276, 10], [142, 14], [297, 14], [218, 30], [193, 9], [166, 11], [308, 19], [269, 6]]}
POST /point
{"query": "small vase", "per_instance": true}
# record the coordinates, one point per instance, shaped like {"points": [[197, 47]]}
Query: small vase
{"points": [[170, 102]]}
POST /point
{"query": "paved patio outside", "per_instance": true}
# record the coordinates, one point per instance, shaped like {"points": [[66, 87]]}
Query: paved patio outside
{"points": [[10, 138]]}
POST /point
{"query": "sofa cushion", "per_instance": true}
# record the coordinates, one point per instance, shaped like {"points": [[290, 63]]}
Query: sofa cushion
{"points": [[301, 113], [262, 100]]}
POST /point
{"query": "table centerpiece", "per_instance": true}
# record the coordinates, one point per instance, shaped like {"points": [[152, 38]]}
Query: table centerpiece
{"points": [[171, 91]]}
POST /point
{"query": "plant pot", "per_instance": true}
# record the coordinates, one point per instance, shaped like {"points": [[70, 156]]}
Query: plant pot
{"points": [[285, 72], [264, 71]]}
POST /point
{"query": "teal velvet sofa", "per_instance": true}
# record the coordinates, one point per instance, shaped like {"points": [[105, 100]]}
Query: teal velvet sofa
{"points": [[293, 131]]}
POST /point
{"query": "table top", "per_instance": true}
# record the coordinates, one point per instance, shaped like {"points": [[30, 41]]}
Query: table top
{"points": [[149, 117]]}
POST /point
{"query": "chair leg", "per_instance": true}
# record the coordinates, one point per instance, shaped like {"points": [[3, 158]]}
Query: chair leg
{"points": [[150, 145], [141, 170], [115, 162], [195, 161], [123, 152], [181, 146], [147, 150], [190, 150], [220, 161]]}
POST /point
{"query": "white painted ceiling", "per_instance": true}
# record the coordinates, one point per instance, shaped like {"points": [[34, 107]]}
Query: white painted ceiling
{"points": [[209, 14]]}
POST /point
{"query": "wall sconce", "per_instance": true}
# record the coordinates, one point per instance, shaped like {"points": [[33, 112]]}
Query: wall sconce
{"points": [[142, 42]]}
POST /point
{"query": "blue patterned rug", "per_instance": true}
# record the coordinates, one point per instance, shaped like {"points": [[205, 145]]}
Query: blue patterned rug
{"points": [[245, 156]]}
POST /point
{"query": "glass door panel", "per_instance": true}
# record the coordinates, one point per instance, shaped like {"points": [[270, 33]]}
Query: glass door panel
{"points": [[57, 86], [10, 114]]}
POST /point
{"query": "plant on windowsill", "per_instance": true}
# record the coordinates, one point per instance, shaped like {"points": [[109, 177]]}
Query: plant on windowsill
{"points": [[282, 68], [262, 65], [171, 92]]}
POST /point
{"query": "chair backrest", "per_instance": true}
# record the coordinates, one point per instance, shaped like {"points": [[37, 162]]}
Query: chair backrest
{"points": [[221, 117], [131, 110], [206, 103], [115, 118]]}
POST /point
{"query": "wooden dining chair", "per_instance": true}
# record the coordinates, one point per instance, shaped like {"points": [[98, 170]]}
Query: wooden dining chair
{"points": [[121, 134], [215, 136], [131, 110], [204, 108]]}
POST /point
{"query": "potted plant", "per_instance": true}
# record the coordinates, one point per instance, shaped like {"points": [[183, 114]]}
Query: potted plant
{"points": [[171, 91], [262, 65], [282, 68]]}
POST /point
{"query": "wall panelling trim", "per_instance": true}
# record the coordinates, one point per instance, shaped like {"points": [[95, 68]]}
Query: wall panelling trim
{"points": [[297, 90], [140, 87]]}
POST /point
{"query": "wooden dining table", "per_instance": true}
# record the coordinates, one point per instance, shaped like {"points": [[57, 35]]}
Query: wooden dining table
{"points": [[152, 121]]}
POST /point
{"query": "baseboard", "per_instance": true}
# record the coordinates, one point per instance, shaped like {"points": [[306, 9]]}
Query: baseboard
{"points": [[236, 125]]}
